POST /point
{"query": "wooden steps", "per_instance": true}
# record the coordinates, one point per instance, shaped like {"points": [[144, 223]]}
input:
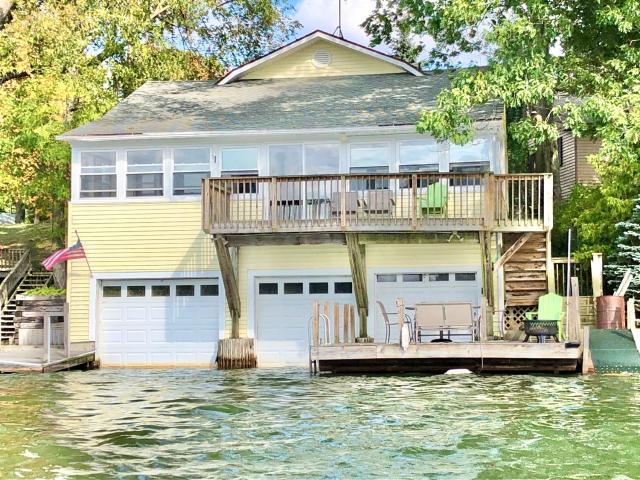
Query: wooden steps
{"points": [[33, 279], [525, 273]]}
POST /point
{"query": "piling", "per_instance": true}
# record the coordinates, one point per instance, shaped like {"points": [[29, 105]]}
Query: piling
{"points": [[235, 353]]}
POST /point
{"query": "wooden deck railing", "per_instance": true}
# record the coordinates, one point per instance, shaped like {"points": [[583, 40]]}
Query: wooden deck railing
{"points": [[378, 202], [9, 257], [9, 283]]}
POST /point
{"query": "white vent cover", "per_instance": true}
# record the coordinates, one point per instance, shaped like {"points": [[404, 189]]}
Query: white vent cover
{"points": [[321, 58]]}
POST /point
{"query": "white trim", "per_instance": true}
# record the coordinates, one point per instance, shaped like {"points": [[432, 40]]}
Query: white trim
{"points": [[310, 38], [97, 277], [252, 275]]}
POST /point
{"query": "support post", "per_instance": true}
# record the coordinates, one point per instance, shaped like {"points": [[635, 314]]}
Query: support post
{"points": [[400, 317], [551, 277], [357, 261], [573, 312], [228, 268], [487, 281], [46, 337], [65, 332], [596, 275]]}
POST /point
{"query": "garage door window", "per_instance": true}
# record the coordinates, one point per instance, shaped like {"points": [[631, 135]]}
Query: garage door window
{"points": [[208, 290], [412, 277], [293, 288], [185, 291], [438, 277], [136, 291], [160, 290], [318, 288], [465, 277], [268, 289], [387, 278], [111, 292], [342, 287]]}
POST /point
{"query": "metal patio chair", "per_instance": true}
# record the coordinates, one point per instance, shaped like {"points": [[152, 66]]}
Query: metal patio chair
{"points": [[388, 323]]}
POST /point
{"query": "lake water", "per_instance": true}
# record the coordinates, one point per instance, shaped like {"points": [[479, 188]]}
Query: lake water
{"points": [[286, 424]]}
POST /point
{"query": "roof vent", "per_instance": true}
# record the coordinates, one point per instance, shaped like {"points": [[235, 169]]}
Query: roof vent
{"points": [[321, 58]]}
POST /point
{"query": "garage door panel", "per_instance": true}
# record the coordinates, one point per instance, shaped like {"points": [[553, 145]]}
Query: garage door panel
{"points": [[156, 329]]}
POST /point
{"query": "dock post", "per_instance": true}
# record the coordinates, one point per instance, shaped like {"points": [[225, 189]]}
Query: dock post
{"points": [[46, 337]]}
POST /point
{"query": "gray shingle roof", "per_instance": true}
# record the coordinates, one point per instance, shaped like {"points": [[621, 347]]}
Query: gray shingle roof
{"points": [[275, 104]]}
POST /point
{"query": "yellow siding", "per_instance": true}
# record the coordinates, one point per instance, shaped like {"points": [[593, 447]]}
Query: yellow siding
{"points": [[132, 237], [428, 256], [298, 63]]}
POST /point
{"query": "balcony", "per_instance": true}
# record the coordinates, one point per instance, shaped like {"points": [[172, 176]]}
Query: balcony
{"points": [[418, 202]]}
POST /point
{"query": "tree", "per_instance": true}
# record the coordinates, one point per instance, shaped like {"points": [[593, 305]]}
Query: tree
{"points": [[65, 63], [627, 256], [552, 61]]}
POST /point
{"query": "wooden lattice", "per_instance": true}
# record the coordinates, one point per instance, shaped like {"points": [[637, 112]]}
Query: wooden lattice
{"points": [[514, 316]]}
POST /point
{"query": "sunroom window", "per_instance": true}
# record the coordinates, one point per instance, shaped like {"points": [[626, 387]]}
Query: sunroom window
{"points": [[322, 159], [241, 162], [190, 166], [144, 173], [369, 159], [419, 156], [98, 174], [472, 157], [285, 160]]}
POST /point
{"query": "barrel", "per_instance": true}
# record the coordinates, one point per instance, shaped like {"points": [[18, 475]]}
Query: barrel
{"points": [[610, 312]]}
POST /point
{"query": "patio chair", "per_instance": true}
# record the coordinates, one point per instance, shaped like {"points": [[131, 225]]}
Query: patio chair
{"points": [[547, 321], [434, 202], [379, 202], [460, 317], [351, 203], [429, 318], [288, 200], [388, 323]]}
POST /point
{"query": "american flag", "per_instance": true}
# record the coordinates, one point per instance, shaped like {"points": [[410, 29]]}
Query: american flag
{"points": [[64, 254]]}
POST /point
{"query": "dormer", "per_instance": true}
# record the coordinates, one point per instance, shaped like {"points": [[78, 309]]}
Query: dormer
{"points": [[319, 54]]}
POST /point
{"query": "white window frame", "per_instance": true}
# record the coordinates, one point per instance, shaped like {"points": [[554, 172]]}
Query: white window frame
{"points": [[78, 177], [172, 195], [164, 155]]}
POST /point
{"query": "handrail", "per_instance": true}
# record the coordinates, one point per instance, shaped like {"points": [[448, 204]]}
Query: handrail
{"points": [[12, 280], [9, 257]]}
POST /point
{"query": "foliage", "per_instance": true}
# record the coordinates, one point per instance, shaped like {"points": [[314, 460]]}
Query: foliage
{"points": [[627, 256], [39, 238], [65, 63], [554, 61], [45, 291]]}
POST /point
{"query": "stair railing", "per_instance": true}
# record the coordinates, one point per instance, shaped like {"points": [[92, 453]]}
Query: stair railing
{"points": [[12, 280]]}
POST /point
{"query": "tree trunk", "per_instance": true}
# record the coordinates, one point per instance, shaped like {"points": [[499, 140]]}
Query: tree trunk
{"points": [[20, 212]]}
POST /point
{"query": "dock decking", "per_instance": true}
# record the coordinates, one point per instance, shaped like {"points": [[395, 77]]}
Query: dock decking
{"points": [[498, 356], [30, 359]]}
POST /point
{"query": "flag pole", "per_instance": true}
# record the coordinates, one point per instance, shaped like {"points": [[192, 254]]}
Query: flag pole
{"points": [[85, 253]]}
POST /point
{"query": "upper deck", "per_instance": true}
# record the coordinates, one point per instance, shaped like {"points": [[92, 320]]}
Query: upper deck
{"points": [[412, 202]]}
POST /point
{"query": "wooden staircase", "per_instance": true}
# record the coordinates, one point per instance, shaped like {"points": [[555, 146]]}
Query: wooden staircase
{"points": [[525, 273], [32, 279]]}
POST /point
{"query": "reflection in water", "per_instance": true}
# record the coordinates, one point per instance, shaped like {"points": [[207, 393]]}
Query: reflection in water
{"points": [[283, 423]]}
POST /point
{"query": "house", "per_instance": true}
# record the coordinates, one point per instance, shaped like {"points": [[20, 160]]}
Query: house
{"points": [[316, 188], [574, 166]]}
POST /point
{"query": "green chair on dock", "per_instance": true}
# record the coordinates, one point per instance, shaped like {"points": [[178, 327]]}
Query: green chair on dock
{"points": [[547, 321], [434, 202]]}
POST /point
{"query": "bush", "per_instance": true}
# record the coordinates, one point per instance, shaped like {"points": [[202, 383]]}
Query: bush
{"points": [[45, 291]]}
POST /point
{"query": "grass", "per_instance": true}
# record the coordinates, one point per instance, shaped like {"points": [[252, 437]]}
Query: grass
{"points": [[36, 237]]}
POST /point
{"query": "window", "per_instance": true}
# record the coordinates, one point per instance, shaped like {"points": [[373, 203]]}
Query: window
{"points": [[438, 277], [285, 160], [136, 291], [98, 174], [110, 292], [268, 289], [241, 162], [472, 157], [160, 290], [412, 277], [144, 173], [342, 287], [190, 166], [293, 288], [465, 277], [318, 287], [386, 278], [368, 159], [322, 159], [209, 290], [185, 291], [419, 157]]}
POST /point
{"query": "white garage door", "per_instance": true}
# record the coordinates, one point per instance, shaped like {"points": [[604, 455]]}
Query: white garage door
{"points": [[282, 312], [433, 287], [159, 322]]}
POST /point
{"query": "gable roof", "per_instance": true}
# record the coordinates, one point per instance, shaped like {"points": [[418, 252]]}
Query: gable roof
{"points": [[189, 108], [317, 34]]}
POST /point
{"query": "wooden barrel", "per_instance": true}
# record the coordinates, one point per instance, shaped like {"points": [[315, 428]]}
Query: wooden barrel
{"points": [[610, 310]]}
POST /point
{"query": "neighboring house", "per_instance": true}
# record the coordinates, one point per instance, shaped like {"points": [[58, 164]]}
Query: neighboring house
{"points": [[574, 166], [320, 189]]}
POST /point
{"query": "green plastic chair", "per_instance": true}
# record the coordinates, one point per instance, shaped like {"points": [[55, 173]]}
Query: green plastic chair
{"points": [[550, 307], [435, 201]]}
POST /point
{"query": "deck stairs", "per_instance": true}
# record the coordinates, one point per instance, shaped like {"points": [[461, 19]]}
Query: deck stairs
{"points": [[525, 272], [32, 279]]}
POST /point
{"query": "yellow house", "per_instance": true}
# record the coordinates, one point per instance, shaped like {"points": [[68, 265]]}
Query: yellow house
{"points": [[317, 188]]}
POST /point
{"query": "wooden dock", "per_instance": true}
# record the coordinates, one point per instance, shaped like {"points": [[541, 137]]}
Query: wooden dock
{"points": [[30, 359], [498, 357]]}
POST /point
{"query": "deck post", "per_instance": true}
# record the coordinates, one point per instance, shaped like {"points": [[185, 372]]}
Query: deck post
{"points": [[487, 279], [489, 201], [228, 269], [357, 261], [551, 278], [573, 312], [46, 337], [596, 275], [66, 338]]}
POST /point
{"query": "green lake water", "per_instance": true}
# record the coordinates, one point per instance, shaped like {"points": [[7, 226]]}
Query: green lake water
{"points": [[285, 424]]}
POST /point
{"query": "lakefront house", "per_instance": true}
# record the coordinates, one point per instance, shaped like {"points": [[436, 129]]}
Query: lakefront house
{"points": [[210, 210]]}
